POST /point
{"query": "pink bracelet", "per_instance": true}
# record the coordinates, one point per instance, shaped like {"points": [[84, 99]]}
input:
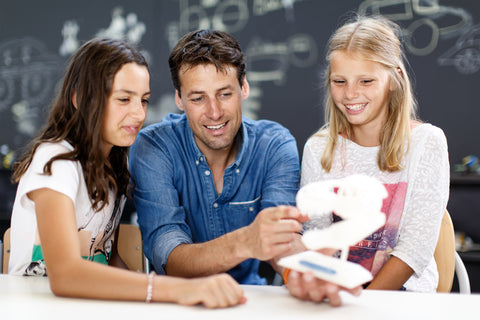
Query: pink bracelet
{"points": [[150, 287]]}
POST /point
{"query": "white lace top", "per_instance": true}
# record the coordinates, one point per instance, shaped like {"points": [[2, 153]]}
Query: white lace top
{"points": [[417, 200]]}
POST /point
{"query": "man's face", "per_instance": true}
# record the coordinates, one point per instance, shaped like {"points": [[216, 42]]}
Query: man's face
{"points": [[212, 101]]}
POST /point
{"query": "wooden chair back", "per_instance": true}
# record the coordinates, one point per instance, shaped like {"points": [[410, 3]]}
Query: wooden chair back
{"points": [[445, 254], [130, 247], [6, 250]]}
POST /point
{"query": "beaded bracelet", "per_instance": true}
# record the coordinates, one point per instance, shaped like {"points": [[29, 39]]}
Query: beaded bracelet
{"points": [[150, 288]]}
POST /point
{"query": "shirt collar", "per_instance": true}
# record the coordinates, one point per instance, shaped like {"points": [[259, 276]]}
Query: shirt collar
{"points": [[192, 144], [243, 142]]}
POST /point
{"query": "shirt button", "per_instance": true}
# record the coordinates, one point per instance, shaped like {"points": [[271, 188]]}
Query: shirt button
{"points": [[250, 209], [207, 173], [201, 158], [196, 162], [215, 205], [237, 171]]}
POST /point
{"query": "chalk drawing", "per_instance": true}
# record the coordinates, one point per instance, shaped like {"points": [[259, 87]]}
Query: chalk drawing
{"points": [[465, 54], [425, 17], [117, 27], [263, 7], [299, 50], [268, 61], [70, 42], [121, 27], [27, 72], [229, 15]]}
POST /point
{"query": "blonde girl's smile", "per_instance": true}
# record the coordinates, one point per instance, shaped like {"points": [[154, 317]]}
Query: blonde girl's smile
{"points": [[355, 108]]}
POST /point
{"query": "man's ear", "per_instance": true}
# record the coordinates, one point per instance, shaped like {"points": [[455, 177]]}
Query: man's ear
{"points": [[245, 88], [74, 99], [178, 100]]}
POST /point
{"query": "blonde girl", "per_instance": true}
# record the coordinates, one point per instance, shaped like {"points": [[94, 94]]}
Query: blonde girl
{"points": [[371, 128]]}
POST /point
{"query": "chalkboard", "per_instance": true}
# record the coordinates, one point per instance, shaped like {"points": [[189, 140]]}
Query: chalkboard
{"points": [[285, 46]]}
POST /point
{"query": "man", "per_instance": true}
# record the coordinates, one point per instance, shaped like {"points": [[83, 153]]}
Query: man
{"points": [[215, 191]]}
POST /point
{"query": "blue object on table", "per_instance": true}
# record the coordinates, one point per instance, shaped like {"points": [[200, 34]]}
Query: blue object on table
{"points": [[317, 267]]}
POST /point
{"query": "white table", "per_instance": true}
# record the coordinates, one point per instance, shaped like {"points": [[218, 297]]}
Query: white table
{"points": [[31, 298]]}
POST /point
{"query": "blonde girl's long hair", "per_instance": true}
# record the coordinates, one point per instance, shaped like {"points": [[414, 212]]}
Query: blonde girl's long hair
{"points": [[374, 39]]}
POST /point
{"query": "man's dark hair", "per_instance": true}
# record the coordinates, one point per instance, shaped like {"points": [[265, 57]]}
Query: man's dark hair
{"points": [[203, 47]]}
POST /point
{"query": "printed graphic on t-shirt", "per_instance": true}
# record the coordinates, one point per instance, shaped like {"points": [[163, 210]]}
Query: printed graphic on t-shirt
{"points": [[373, 251], [101, 254], [37, 266], [96, 241]]}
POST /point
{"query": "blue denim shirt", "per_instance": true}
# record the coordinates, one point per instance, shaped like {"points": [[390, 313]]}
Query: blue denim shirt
{"points": [[175, 195]]}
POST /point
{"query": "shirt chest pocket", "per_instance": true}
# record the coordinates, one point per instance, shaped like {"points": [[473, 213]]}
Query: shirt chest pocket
{"points": [[242, 213]]}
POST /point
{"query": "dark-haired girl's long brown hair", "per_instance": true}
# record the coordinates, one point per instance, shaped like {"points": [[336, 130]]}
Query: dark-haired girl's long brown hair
{"points": [[88, 80]]}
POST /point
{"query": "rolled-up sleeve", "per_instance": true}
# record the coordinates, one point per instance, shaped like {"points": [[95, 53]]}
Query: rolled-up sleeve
{"points": [[160, 217]]}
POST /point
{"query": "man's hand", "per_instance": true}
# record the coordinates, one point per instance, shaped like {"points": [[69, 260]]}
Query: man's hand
{"points": [[273, 232]]}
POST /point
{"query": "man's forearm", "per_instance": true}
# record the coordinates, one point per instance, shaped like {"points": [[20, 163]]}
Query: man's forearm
{"points": [[274, 232], [207, 258]]}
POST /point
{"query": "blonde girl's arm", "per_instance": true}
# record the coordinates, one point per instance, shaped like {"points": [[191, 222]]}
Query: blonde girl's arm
{"points": [[424, 208], [72, 276], [392, 276]]}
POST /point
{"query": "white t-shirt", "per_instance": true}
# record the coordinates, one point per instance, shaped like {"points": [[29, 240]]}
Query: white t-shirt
{"points": [[95, 229], [418, 196]]}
